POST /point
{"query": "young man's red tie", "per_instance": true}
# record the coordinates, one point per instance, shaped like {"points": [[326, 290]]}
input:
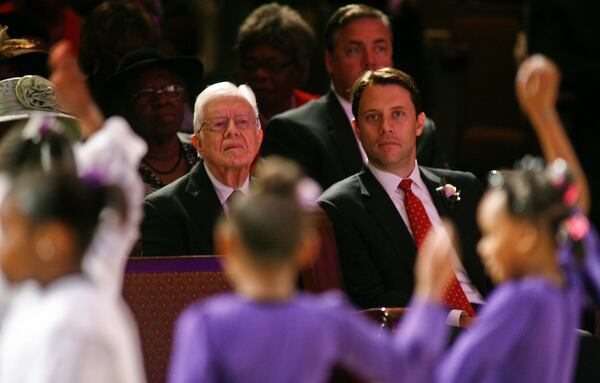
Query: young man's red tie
{"points": [[420, 224]]}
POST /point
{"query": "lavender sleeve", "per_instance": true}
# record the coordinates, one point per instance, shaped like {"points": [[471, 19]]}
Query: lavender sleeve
{"points": [[191, 359], [408, 355], [502, 323]]}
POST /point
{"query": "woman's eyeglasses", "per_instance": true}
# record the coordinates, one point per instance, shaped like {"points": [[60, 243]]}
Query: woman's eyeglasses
{"points": [[274, 68], [148, 95]]}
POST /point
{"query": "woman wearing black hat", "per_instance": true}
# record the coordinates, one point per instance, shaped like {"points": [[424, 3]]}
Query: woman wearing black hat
{"points": [[150, 90]]}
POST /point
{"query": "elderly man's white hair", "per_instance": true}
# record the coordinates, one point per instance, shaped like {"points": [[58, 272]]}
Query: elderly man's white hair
{"points": [[220, 89]]}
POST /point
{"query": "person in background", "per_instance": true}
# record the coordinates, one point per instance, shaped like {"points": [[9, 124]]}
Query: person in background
{"points": [[111, 31], [274, 46], [179, 219], [319, 135], [286, 335], [150, 90], [380, 216]]}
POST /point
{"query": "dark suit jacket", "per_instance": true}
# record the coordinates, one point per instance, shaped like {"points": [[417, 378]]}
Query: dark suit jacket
{"points": [[180, 218], [377, 252], [319, 137]]}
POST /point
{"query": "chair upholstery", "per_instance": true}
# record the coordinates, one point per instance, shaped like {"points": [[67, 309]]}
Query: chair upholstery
{"points": [[325, 272], [157, 290]]}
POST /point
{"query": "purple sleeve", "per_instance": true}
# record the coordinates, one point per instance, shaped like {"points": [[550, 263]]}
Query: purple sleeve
{"points": [[422, 337], [375, 353], [503, 322], [191, 357]]}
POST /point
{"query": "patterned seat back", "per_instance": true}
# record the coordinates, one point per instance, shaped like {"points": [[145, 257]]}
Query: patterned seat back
{"points": [[157, 290]]}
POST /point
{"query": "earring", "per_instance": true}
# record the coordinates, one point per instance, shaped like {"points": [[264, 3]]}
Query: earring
{"points": [[44, 249]]}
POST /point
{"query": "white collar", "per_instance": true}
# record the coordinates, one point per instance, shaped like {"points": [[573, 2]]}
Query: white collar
{"points": [[390, 181], [223, 191], [346, 105]]}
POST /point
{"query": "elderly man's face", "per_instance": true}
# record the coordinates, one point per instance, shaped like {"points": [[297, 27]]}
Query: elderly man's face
{"points": [[388, 127], [363, 44], [236, 146]]}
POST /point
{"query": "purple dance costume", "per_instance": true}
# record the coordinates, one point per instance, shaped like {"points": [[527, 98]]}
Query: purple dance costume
{"points": [[232, 339], [525, 333], [527, 330]]}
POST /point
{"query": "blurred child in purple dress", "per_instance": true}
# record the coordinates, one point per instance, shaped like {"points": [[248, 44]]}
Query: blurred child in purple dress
{"points": [[267, 331], [539, 248]]}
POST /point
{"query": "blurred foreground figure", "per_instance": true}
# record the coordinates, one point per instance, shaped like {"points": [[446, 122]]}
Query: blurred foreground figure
{"points": [[539, 247], [69, 218]]}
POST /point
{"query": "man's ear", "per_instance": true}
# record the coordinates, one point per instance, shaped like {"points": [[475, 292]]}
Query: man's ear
{"points": [[197, 141], [260, 134], [356, 128], [421, 118]]}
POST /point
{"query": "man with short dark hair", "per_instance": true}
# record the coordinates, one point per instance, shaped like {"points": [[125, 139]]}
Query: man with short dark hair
{"points": [[319, 135], [381, 215]]}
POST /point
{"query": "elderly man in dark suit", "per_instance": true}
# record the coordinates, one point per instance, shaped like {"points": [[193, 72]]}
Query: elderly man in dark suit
{"points": [[179, 218], [381, 215], [319, 134]]}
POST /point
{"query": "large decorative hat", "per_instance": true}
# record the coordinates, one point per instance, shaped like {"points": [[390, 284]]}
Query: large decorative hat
{"points": [[21, 96], [187, 67]]}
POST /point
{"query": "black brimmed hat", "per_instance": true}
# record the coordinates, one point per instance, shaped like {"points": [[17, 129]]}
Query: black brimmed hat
{"points": [[189, 68]]}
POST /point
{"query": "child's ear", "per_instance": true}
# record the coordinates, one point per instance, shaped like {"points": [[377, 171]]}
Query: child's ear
{"points": [[526, 238], [222, 237], [55, 242], [308, 249]]}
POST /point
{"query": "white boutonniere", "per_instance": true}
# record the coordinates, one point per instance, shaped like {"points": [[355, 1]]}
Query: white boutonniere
{"points": [[450, 194]]}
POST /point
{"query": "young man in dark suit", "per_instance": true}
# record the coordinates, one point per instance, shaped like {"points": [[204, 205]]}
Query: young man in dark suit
{"points": [[378, 221], [179, 219], [319, 135]]}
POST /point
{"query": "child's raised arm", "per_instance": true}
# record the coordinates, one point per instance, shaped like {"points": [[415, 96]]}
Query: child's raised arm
{"points": [[536, 85], [72, 91]]}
